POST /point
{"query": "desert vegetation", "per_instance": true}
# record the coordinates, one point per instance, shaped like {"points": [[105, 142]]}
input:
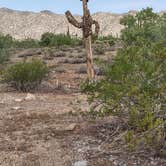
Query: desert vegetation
{"points": [[47, 40], [133, 87], [3, 55], [48, 104], [26, 76]]}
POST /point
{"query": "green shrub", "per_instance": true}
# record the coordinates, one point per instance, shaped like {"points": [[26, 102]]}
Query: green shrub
{"points": [[143, 29], [50, 40], [47, 40], [26, 76], [134, 85], [99, 49], [4, 55], [6, 41], [27, 43], [107, 39]]}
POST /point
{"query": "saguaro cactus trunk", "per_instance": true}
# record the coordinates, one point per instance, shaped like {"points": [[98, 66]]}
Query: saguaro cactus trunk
{"points": [[86, 26]]}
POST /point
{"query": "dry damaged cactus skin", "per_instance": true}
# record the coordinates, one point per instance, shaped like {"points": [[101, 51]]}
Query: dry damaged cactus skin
{"points": [[86, 26]]}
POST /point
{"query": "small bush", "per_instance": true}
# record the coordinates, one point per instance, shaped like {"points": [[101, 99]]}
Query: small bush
{"points": [[26, 76], [134, 84], [6, 41], [108, 39], [50, 40], [99, 49], [27, 43], [3, 55]]}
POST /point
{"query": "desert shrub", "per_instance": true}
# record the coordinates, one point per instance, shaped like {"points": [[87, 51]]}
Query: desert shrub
{"points": [[47, 40], [134, 84], [108, 39], [99, 49], [4, 55], [26, 76], [6, 41], [143, 29], [50, 39], [104, 43], [27, 43]]}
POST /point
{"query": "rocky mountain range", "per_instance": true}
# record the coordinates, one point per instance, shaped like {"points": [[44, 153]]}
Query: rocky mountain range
{"points": [[23, 24]]}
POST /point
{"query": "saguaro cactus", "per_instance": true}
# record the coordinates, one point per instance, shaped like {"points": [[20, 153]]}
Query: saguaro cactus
{"points": [[86, 26]]}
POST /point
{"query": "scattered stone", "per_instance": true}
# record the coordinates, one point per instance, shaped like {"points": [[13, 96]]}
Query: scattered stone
{"points": [[81, 163], [112, 158], [28, 114], [18, 100], [30, 97], [71, 127], [2, 102], [16, 108]]}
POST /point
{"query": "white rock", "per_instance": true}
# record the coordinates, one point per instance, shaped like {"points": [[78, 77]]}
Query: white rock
{"points": [[30, 97], [16, 108], [71, 127], [18, 100], [2, 102], [81, 163]]}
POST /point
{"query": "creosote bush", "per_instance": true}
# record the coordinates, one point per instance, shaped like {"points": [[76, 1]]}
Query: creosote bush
{"points": [[27, 43], [134, 84], [4, 55], [107, 39], [26, 76], [99, 49], [51, 39], [47, 40], [6, 41]]}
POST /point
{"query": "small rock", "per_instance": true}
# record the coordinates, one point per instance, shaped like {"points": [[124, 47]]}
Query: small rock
{"points": [[28, 114], [80, 150], [112, 158], [16, 108], [81, 163], [115, 163], [18, 100], [2, 102], [71, 127], [30, 97]]}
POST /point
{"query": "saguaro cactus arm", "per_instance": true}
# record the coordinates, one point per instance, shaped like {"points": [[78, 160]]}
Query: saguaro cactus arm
{"points": [[87, 25], [97, 27], [72, 20]]}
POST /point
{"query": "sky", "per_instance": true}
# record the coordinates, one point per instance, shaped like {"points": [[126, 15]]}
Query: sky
{"points": [[75, 6]]}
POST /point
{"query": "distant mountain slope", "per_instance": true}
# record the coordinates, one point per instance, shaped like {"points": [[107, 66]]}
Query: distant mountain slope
{"points": [[21, 25]]}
